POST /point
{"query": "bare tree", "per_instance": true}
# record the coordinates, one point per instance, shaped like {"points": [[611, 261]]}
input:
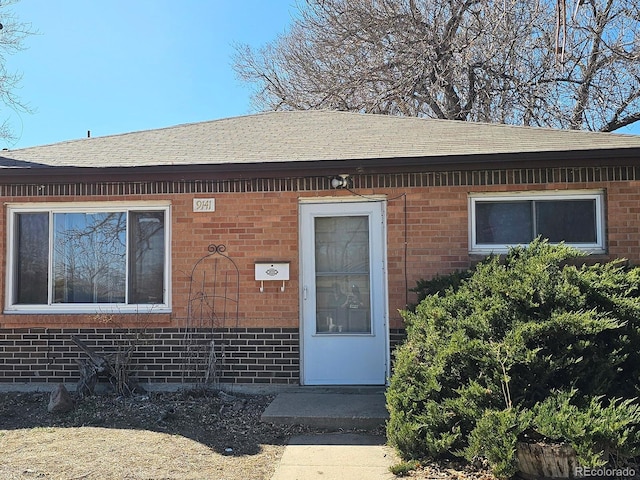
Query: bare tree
{"points": [[12, 35], [506, 61]]}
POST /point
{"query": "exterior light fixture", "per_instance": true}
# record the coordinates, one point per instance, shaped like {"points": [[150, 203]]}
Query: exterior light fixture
{"points": [[341, 181]]}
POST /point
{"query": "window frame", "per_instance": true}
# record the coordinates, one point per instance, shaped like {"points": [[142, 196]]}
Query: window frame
{"points": [[83, 207], [597, 247]]}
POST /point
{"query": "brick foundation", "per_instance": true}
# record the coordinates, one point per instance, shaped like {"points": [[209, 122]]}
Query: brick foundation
{"points": [[161, 355], [264, 356]]}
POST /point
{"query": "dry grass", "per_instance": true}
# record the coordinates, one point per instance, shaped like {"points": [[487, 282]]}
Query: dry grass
{"points": [[103, 453], [178, 436]]}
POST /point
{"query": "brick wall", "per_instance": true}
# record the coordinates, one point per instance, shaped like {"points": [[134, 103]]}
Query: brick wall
{"points": [[160, 356], [257, 220]]}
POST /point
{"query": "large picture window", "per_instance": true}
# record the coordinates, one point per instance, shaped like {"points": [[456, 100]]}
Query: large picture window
{"points": [[498, 222], [68, 257]]}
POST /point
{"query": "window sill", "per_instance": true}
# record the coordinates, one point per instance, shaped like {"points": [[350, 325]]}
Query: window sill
{"points": [[86, 309], [502, 250]]}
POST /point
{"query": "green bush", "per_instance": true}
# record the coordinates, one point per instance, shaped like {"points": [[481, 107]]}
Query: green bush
{"points": [[439, 284], [495, 437], [509, 334], [403, 468], [594, 429]]}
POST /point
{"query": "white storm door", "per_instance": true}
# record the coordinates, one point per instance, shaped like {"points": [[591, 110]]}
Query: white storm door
{"points": [[344, 293]]}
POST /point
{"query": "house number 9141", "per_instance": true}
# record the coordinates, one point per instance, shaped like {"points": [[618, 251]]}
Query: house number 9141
{"points": [[204, 204]]}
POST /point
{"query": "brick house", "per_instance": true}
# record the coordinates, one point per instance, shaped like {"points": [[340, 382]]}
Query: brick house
{"points": [[277, 248]]}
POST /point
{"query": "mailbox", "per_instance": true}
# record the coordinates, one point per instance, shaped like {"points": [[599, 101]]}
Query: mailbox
{"points": [[272, 271]]}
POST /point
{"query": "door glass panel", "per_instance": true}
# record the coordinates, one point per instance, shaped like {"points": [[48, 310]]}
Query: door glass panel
{"points": [[343, 302]]}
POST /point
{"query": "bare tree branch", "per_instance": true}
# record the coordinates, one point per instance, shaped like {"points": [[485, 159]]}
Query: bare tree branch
{"points": [[12, 36], [474, 60]]}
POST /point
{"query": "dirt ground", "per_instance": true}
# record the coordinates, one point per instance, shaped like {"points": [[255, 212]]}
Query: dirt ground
{"points": [[195, 434]]}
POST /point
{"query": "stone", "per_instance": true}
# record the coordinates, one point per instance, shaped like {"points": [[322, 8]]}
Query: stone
{"points": [[60, 400]]}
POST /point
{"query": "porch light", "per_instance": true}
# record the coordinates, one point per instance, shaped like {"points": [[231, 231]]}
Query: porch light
{"points": [[341, 181]]}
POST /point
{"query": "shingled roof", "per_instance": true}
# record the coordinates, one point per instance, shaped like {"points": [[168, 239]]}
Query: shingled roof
{"points": [[307, 136]]}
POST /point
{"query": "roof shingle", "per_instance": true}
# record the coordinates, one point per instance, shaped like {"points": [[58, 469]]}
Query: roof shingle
{"points": [[307, 136]]}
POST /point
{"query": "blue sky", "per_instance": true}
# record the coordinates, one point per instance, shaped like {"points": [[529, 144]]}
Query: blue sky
{"points": [[116, 66]]}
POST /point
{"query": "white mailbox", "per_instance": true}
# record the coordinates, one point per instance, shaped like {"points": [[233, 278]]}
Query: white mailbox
{"points": [[266, 271]]}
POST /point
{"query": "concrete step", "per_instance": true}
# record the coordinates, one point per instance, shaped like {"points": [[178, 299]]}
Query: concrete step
{"points": [[328, 410]]}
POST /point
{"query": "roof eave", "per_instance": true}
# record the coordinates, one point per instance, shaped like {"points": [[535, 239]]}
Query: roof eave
{"points": [[490, 161]]}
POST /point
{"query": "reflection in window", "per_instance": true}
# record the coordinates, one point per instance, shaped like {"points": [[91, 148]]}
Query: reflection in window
{"points": [[102, 257], [342, 274], [504, 221], [32, 250], [146, 266], [571, 221], [89, 257]]}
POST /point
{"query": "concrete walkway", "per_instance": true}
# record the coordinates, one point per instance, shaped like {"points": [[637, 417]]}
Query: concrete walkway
{"points": [[336, 456], [333, 456]]}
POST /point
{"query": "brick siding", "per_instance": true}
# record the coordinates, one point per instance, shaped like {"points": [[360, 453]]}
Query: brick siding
{"points": [[257, 220], [160, 356]]}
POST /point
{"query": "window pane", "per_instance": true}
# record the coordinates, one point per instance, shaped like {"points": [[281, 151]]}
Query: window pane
{"points": [[89, 257], [571, 221], [503, 223], [146, 259], [343, 304], [32, 262], [342, 244], [342, 275]]}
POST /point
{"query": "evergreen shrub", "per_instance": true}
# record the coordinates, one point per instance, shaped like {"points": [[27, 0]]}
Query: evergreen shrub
{"points": [[508, 336]]}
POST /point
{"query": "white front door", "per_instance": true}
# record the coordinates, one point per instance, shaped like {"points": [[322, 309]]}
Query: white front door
{"points": [[344, 333]]}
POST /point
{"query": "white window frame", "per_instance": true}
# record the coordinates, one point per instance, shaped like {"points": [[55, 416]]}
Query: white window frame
{"points": [[84, 207], [598, 247]]}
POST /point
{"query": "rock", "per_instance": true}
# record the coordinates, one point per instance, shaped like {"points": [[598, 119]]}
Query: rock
{"points": [[226, 398], [166, 414], [239, 405], [60, 400]]}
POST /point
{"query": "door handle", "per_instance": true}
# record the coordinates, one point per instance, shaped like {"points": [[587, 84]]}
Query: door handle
{"points": [[304, 292]]}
